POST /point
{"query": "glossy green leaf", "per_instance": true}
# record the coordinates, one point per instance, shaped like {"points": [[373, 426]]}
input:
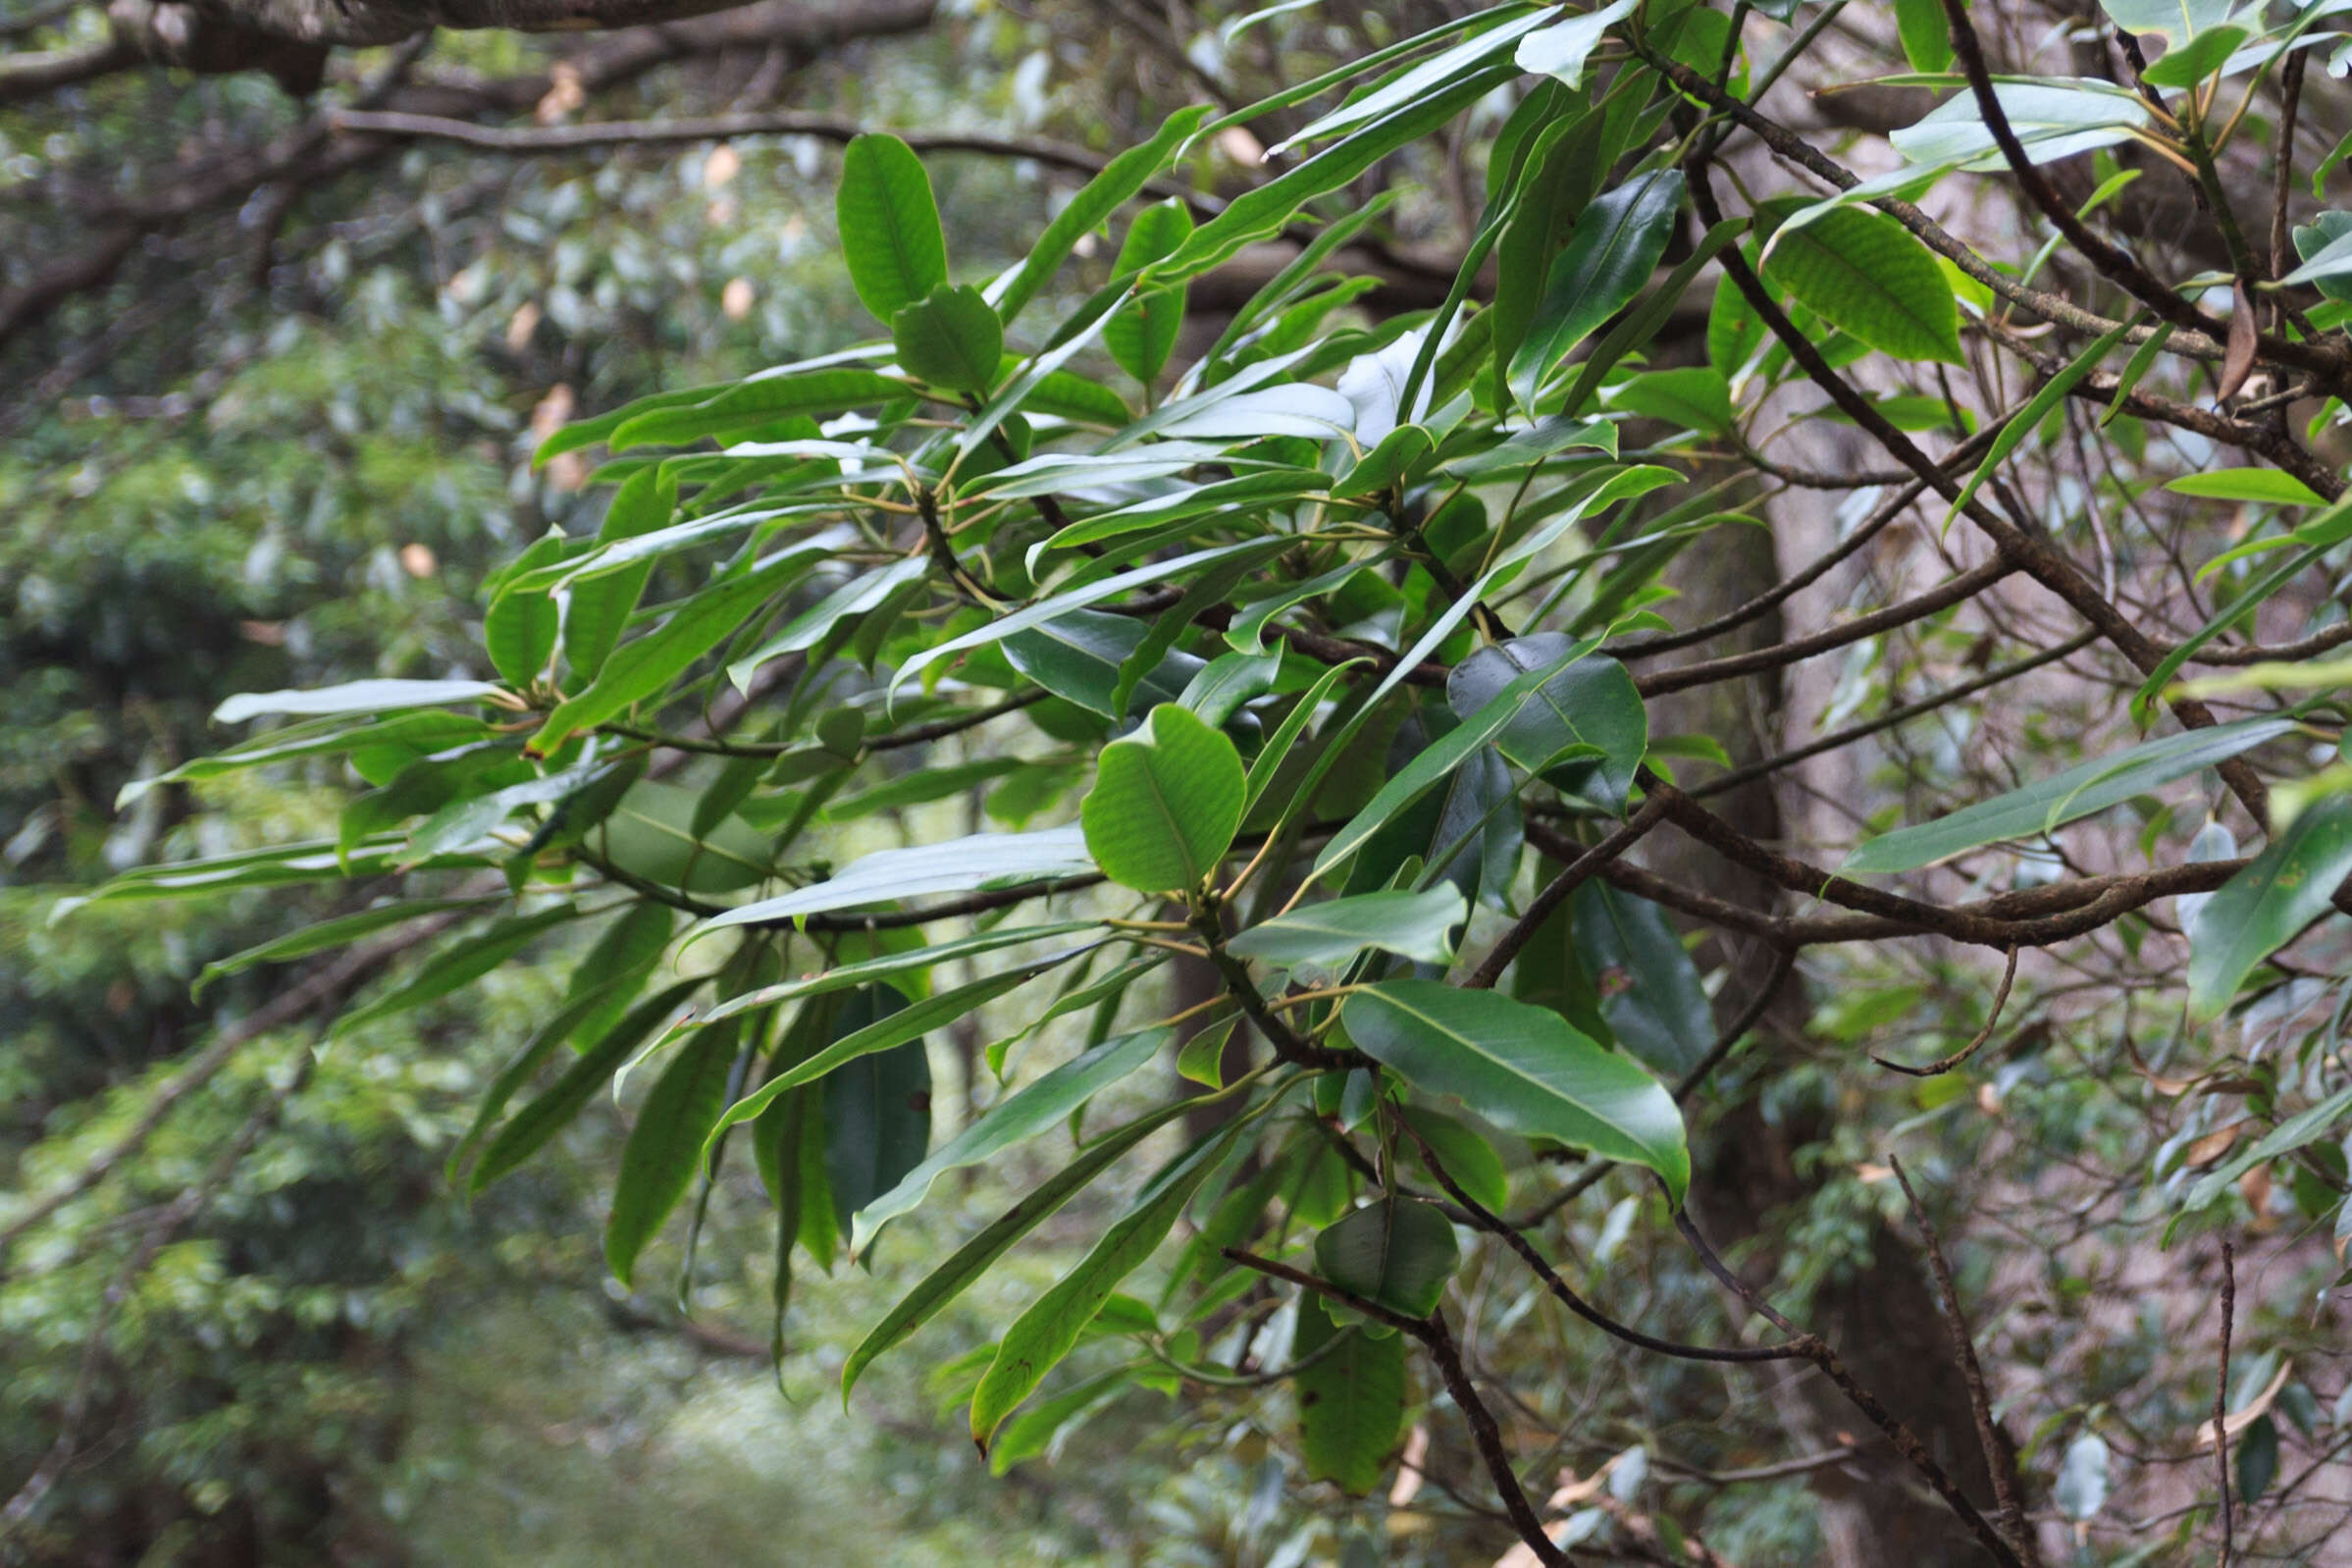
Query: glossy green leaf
{"points": [[2263, 908], [2305, 1128], [878, 1107], [1320, 938], [970, 1261], [325, 934], [911, 963], [1610, 254], [2080, 791], [1649, 990], [1393, 1252], [641, 668], [529, 1129], [1351, 1399], [456, 966], [1122, 177], [1434, 763], [1863, 272], [2267, 485], [1166, 803], [760, 400], [1522, 1068], [1042, 1335], [890, 234], [1697, 398], [1035, 1108], [1082, 655], [657, 1163], [1925, 35], [1585, 700], [888, 1030]]}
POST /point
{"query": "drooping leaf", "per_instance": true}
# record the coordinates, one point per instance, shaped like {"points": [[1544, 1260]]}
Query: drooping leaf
{"points": [[1122, 177], [456, 966], [529, 1129], [1352, 1397], [1649, 987], [878, 1107], [1164, 804], [888, 1029], [1042, 1335], [657, 1163], [973, 1259], [1036, 1107], [2263, 908], [337, 932], [1523, 1068]]}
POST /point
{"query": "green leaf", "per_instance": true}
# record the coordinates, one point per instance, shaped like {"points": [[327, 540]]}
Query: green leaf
{"points": [[1587, 700], [2258, 1450], [1522, 1068], [894, 1028], [1435, 763], [1165, 805], [650, 834], [1467, 1157], [353, 697], [1649, 987], [2080, 791], [2027, 420], [1122, 177], [529, 1129], [954, 866], [812, 625], [1321, 938], [2318, 537], [336, 932], [1610, 254], [889, 965], [519, 629], [950, 338], [2263, 908], [1697, 398], [1861, 270], [973, 1259], [878, 1107], [456, 966], [1080, 657], [646, 666], [890, 234], [1034, 1109], [588, 1008], [657, 1163], [1416, 82], [761, 400], [2305, 1128], [2326, 246], [1042, 1335], [2248, 483], [1141, 334], [1263, 210], [1927, 36], [1394, 1252], [1351, 1399]]}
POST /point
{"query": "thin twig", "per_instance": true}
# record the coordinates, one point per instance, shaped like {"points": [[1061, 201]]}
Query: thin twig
{"points": [[1556, 892], [1943, 1065]]}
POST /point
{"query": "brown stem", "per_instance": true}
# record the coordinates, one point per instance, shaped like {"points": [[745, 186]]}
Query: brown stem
{"points": [[1573, 876]]}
